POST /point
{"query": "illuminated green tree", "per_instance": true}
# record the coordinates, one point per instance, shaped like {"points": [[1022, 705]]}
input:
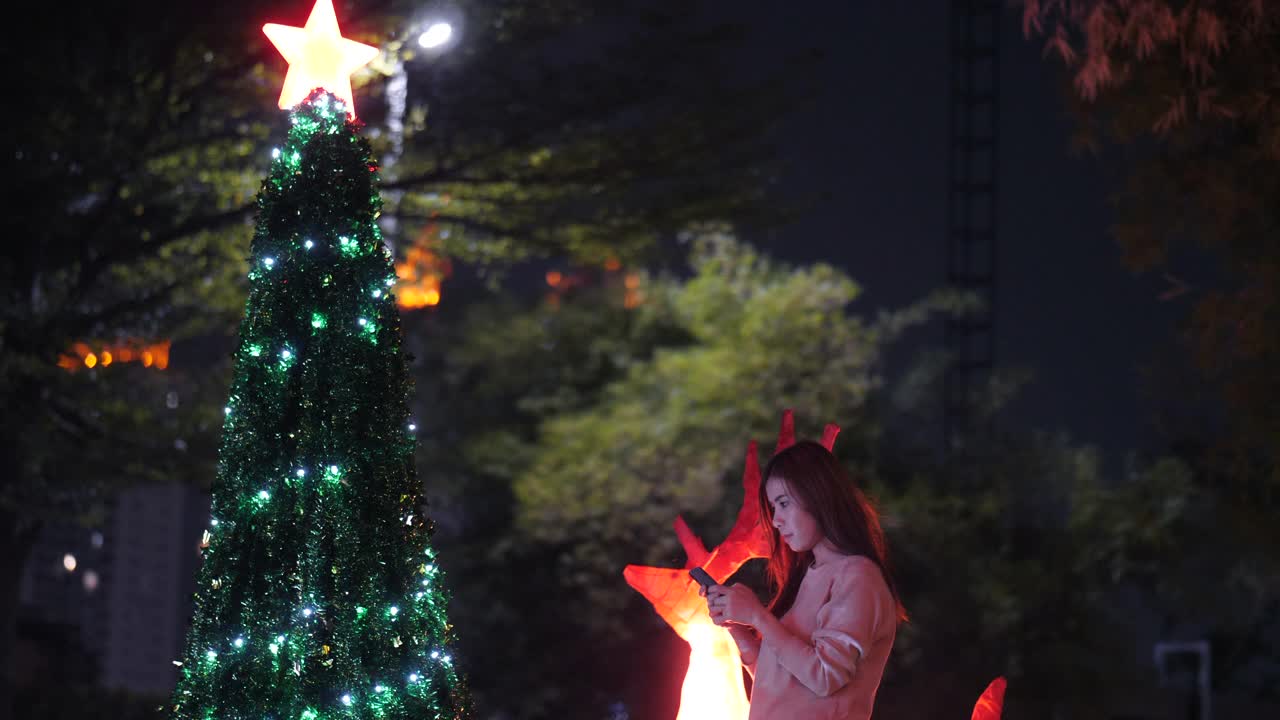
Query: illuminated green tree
{"points": [[319, 596]]}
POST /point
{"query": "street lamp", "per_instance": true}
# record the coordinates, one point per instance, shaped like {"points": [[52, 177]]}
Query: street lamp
{"points": [[435, 36]]}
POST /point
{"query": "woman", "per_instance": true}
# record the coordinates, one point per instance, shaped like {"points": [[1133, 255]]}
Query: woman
{"points": [[818, 651]]}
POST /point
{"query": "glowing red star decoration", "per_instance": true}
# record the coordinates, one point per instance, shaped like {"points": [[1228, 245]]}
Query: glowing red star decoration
{"points": [[318, 56], [991, 705], [713, 680]]}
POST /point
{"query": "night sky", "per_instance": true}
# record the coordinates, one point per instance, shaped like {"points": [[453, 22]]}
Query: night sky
{"points": [[875, 142]]}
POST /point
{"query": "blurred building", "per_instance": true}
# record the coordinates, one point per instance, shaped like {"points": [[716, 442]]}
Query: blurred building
{"points": [[124, 588], [62, 585], [157, 533]]}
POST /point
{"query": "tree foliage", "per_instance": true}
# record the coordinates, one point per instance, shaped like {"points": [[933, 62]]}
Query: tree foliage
{"points": [[1186, 92], [668, 436], [590, 128]]}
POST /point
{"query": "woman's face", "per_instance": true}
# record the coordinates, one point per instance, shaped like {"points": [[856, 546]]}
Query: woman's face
{"points": [[799, 529]]}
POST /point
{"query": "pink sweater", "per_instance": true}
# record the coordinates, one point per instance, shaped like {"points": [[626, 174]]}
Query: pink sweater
{"points": [[843, 624]]}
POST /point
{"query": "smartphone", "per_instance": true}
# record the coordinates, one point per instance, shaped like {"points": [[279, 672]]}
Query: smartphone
{"points": [[702, 577]]}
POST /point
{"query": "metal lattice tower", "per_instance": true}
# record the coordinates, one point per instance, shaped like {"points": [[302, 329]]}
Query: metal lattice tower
{"points": [[971, 209]]}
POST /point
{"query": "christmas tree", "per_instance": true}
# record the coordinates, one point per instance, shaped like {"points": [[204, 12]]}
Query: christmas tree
{"points": [[320, 596]]}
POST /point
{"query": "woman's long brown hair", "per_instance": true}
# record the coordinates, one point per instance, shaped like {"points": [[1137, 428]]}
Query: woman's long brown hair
{"points": [[846, 517]]}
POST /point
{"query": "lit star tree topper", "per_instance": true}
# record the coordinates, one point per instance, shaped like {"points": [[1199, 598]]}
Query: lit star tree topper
{"points": [[319, 57]]}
